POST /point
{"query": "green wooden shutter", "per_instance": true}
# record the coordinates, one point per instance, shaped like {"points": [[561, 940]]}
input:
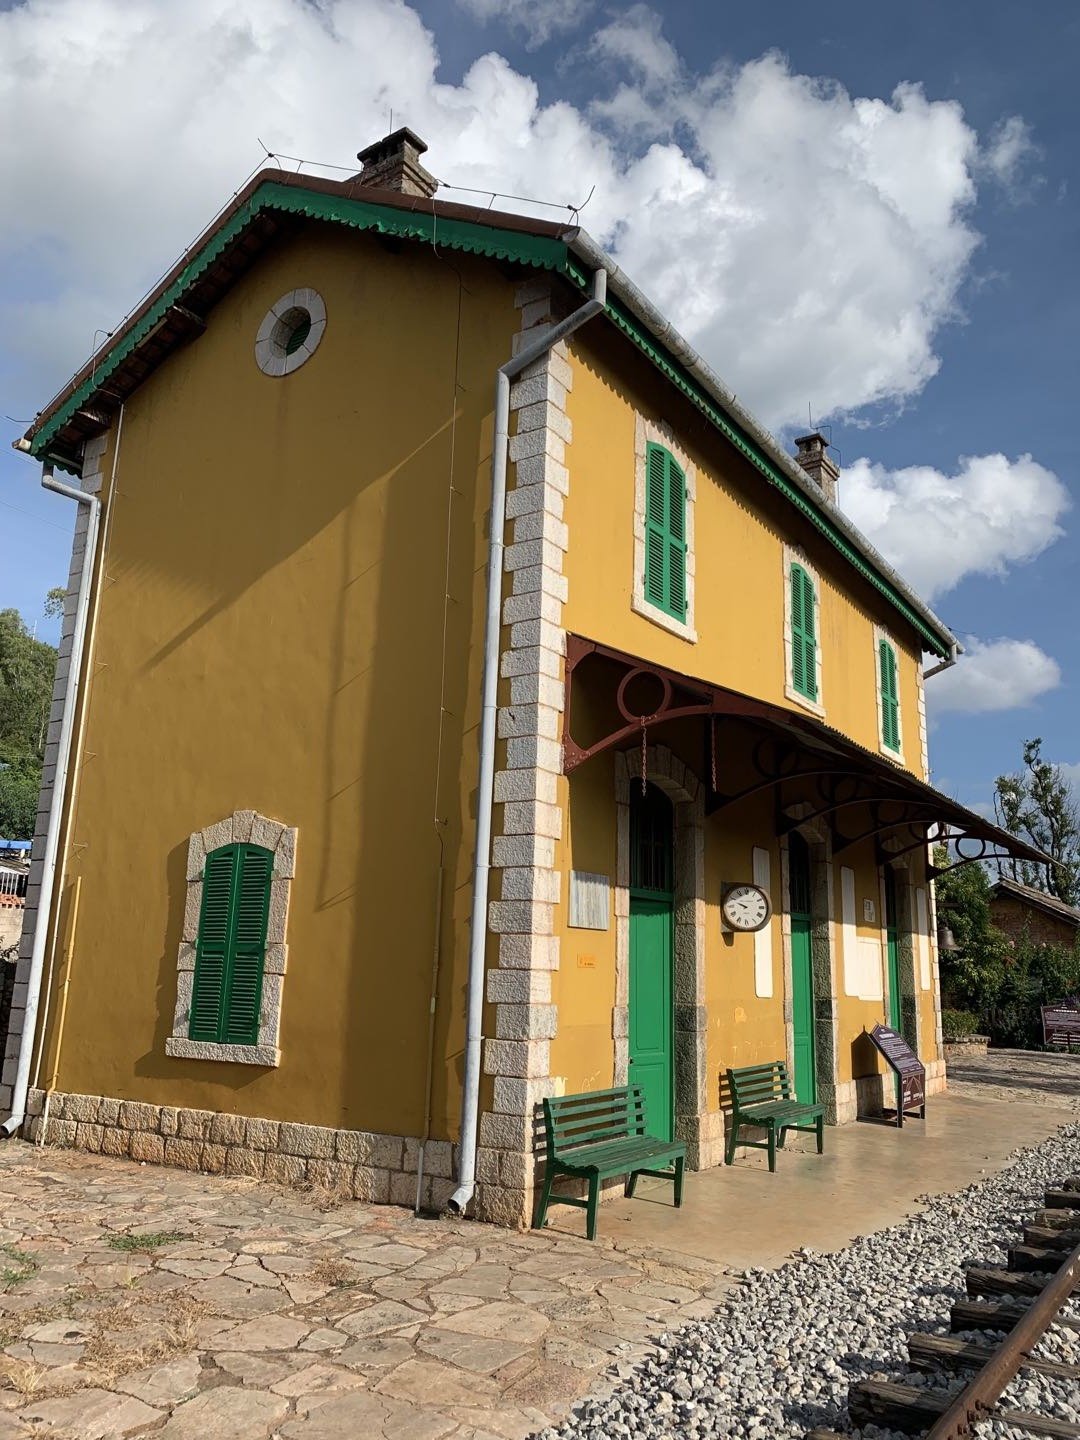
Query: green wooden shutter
{"points": [[213, 945], [665, 532], [803, 634], [676, 499], [231, 949], [890, 697]]}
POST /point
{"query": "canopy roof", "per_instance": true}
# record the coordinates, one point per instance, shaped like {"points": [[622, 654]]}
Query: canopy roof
{"points": [[859, 793]]}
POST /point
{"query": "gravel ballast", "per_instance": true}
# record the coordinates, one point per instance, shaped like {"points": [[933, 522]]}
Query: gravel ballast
{"points": [[778, 1357]]}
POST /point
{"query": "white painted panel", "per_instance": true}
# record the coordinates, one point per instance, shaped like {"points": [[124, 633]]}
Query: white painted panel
{"points": [[848, 933], [871, 978], [922, 938], [590, 900], [763, 956]]}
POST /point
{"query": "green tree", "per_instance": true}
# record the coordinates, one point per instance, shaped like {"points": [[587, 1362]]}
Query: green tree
{"points": [[1037, 804], [973, 973], [19, 785], [27, 667], [54, 602]]}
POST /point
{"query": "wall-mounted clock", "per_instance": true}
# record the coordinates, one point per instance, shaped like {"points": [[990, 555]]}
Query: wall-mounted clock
{"points": [[746, 907]]}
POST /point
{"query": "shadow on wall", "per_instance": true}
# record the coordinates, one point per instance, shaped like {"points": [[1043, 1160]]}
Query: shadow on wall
{"points": [[372, 784], [869, 1081]]}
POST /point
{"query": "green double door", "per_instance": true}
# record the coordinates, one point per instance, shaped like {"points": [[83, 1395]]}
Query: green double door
{"points": [[651, 998], [892, 941], [802, 970]]}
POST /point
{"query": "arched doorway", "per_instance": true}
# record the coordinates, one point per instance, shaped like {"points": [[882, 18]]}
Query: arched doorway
{"points": [[651, 1023]]}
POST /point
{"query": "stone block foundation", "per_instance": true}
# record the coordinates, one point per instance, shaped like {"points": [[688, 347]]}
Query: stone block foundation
{"points": [[360, 1165]]}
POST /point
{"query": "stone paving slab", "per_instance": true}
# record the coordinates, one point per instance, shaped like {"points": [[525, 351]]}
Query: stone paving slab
{"points": [[136, 1300]]}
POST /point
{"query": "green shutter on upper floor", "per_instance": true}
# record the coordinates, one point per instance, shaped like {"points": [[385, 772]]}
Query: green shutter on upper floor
{"points": [[803, 633], [890, 696], [665, 532], [230, 952]]}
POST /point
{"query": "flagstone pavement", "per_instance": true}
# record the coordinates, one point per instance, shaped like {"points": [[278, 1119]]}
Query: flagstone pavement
{"points": [[140, 1300]]}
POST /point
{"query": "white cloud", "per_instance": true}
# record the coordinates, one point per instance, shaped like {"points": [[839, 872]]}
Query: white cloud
{"points": [[810, 243], [539, 20], [1009, 154], [993, 675], [937, 528], [635, 40]]}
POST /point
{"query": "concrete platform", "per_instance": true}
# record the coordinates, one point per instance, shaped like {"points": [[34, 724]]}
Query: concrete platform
{"points": [[870, 1176]]}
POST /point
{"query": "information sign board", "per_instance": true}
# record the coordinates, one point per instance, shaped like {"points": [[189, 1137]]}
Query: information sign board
{"points": [[908, 1069], [1061, 1025]]}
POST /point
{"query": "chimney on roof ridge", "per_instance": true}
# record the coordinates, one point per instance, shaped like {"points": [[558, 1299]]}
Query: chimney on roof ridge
{"points": [[813, 459], [394, 164]]}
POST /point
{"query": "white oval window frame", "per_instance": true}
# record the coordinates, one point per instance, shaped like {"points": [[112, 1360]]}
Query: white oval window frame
{"points": [[270, 353]]}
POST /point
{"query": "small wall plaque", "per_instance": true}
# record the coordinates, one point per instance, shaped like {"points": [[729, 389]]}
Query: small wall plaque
{"points": [[590, 901], [869, 912]]}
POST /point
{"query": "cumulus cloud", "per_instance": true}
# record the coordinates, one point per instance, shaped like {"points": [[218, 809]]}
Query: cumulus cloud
{"points": [[809, 242], [993, 675], [1009, 155], [936, 529], [538, 20]]}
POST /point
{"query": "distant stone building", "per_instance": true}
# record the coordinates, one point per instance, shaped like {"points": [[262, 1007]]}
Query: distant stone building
{"points": [[1027, 914]]}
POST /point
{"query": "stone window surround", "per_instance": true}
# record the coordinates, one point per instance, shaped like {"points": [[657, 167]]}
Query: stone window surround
{"points": [[270, 355], [661, 434], [243, 827], [896, 756], [794, 555], [701, 1129]]}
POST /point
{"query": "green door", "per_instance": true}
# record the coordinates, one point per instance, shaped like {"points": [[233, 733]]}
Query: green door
{"points": [[892, 940], [802, 970], [651, 1021]]}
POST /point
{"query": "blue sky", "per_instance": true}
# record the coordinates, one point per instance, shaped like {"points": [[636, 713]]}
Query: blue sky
{"points": [[904, 262]]}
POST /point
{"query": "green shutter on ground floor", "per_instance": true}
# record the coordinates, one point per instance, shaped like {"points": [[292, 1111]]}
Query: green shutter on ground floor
{"points": [[231, 948]]}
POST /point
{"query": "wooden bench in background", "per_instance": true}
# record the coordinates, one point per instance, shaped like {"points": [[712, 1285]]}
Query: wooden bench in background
{"points": [[599, 1135], [762, 1095]]}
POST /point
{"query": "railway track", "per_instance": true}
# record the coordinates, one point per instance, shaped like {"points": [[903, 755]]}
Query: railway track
{"points": [[1026, 1301]]}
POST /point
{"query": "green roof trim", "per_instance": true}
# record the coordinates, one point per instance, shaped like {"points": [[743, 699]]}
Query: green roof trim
{"points": [[681, 378], [488, 240]]}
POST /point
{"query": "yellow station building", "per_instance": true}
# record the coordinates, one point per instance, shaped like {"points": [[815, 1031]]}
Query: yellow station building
{"points": [[443, 645]]}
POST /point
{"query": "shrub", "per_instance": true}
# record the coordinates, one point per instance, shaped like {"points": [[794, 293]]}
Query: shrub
{"points": [[958, 1024]]}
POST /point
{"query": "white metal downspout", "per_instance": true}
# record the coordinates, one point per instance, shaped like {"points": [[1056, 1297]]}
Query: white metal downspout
{"points": [[470, 1098], [946, 664], [56, 799]]}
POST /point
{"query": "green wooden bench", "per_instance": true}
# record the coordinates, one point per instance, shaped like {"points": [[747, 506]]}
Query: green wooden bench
{"points": [[599, 1135], [762, 1095]]}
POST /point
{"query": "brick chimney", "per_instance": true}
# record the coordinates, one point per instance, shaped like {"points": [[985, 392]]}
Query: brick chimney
{"points": [[394, 164], [813, 459]]}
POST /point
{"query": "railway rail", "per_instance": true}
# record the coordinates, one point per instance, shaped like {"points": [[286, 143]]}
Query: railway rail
{"points": [[1026, 1301]]}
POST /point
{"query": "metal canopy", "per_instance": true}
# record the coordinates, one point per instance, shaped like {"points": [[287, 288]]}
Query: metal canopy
{"points": [[861, 795]]}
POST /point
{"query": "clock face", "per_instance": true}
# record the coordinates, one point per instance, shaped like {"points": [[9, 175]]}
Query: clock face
{"points": [[746, 907]]}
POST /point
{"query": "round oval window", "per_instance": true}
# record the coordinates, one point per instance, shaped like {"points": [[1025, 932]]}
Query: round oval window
{"points": [[290, 332]]}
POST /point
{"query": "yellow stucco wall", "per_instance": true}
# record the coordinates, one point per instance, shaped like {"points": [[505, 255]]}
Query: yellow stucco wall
{"points": [[741, 524], [271, 638], [741, 527]]}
